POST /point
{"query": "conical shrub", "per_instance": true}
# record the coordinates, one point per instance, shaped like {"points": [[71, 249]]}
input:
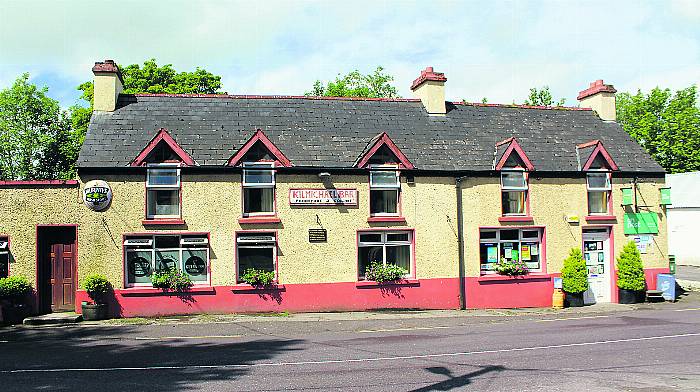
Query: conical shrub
{"points": [[630, 272], [574, 274]]}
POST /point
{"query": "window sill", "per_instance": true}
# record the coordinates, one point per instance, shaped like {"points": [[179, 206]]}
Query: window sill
{"points": [[381, 219], [152, 291], [535, 276], [163, 221], [244, 287], [366, 284], [515, 219], [259, 219], [601, 218]]}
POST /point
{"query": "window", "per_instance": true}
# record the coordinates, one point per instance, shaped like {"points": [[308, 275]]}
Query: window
{"points": [[509, 244], [258, 189], [384, 188], [599, 188], [514, 192], [163, 191], [4, 257], [256, 250], [146, 253], [386, 247]]}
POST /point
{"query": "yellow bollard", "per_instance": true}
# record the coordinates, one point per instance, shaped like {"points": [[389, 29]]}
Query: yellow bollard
{"points": [[558, 299]]}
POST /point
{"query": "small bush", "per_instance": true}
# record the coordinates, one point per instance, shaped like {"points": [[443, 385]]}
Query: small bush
{"points": [[379, 272], [171, 279], [630, 272], [574, 274], [513, 267], [96, 286], [14, 287], [256, 277]]}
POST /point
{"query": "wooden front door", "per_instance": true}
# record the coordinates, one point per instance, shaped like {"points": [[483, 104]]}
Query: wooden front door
{"points": [[59, 265]]}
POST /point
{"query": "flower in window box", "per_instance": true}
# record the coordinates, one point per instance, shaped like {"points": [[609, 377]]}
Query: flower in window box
{"points": [[257, 277], [381, 273], [514, 267]]}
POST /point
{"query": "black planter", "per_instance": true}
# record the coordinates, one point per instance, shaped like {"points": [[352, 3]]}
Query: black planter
{"points": [[573, 300], [631, 296], [92, 312], [14, 313]]}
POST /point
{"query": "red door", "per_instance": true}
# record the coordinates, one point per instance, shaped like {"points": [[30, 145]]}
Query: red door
{"points": [[57, 269]]}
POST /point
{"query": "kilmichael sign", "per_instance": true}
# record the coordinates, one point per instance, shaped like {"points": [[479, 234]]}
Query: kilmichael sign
{"points": [[323, 197]]}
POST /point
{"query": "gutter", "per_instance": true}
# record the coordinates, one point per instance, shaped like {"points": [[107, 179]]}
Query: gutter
{"points": [[460, 242]]}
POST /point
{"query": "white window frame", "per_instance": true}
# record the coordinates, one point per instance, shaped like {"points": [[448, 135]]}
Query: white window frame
{"points": [[171, 187], [259, 166], [606, 189], [521, 239], [151, 246], [386, 187], [384, 243], [261, 244], [525, 189]]}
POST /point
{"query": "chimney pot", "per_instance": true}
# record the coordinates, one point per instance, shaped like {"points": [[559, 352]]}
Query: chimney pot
{"points": [[601, 98], [430, 88]]}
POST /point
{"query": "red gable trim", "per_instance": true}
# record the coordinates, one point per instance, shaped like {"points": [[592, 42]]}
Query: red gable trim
{"points": [[164, 136], [385, 140], [600, 150], [39, 182], [588, 144], [260, 136], [514, 146]]}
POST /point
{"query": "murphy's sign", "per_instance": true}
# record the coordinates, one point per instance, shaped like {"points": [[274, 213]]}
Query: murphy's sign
{"points": [[323, 197], [97, 195]]}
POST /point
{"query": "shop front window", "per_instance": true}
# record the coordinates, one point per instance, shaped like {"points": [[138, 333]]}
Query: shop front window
{"points": [[599, 188], [4, 257], [510, 244], [385, 247], [163, 191], [255, 250], [384, 189], [514, 190], [145, 254], [258, 188]]}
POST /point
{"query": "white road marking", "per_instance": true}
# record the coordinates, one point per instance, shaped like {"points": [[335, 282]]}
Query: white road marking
{"points": [[570, 318], [186, 337], [686, 310], [338, 361], [402, 329]]}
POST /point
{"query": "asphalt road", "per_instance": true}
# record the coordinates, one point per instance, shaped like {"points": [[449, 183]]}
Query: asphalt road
{"points": [[643, 350]]}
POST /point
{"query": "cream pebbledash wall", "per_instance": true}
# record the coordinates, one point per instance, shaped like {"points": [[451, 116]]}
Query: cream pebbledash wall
{"points": [[551, 200]]}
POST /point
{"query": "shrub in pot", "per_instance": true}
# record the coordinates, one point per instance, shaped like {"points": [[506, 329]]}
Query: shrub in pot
{"points": [[258, 277], [13, 292], [630, 275], [574, 277], [97, 287], [381, 273]]}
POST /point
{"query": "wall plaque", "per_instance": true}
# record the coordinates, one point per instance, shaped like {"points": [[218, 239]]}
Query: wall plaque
{"points": [[323, 197], [318, 235]]}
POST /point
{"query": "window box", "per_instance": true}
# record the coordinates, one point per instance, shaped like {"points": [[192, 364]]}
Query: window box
{"points": [[259, 220], [244, 287], [601, 218], [365, 284], [387, 219], [515, 219], [162, 222], [535, 276], [152, 292]]}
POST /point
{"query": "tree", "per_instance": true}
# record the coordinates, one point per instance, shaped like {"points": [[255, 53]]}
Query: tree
{"points": [[666, 125], [542, 97], [355, 84], [36, 137]]}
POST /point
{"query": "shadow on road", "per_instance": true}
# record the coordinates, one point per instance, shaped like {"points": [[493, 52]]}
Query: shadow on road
{"points": [[455, 381]]}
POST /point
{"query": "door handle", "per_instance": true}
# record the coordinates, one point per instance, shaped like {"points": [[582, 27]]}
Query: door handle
{"points": [[52, 281]]}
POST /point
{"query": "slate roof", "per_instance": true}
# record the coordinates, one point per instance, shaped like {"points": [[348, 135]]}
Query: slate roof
{"points": [[332, 133]]}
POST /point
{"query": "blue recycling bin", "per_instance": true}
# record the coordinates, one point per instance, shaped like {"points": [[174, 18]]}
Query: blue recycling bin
{"points": [[666, 283]]}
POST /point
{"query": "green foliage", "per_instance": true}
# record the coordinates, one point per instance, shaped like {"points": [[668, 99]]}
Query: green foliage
{"points": [[36, 137], [379, 272], [630, 272], [542, 97], [355, 84], [574, 273], [666, 125], [514, 267], [96, 286], [171, 279], [256, 277], [14, 287]]}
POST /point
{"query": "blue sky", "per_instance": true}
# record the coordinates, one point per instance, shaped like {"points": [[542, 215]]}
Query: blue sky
{"points": [[493, 49]]}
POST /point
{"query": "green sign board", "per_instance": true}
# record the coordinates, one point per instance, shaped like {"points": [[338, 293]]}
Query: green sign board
{"points": [[641, 223], [627, 196], [665, 196]]}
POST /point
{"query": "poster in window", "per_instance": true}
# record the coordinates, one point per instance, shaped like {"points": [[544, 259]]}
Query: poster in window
{"points": [[601, 257], [534, 250], [195, 265], [492, 254], [525, 252], [587, 256], [139, 267], [515, 255], [508, 251], [600, 245]]}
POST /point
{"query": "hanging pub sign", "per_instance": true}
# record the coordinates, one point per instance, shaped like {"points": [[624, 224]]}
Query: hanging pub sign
{"points": [[97, 195], [323, 197]]}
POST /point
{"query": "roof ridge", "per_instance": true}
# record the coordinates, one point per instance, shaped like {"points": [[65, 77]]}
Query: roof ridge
{"points": [[238, 96], [517, 106]]}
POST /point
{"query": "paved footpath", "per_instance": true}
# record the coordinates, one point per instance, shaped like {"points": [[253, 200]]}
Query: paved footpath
{"points": [[647, 347]]}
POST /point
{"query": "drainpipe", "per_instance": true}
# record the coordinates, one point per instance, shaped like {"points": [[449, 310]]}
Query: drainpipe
{"points": [[460, 242]]}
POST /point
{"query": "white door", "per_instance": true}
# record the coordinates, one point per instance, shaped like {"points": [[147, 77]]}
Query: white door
{"points": [[596, 253]]}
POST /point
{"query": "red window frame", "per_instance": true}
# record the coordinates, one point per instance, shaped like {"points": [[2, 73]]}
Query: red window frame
{"points": [[412, 274], [275, 258], [262, 217], [608, 215], [526, 216], [543, 246], [166, 220], [385, 217]]}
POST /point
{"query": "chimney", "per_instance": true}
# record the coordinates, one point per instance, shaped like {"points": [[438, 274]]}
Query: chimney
{"points": [[601, 98], [430, 88], [108, 83]]}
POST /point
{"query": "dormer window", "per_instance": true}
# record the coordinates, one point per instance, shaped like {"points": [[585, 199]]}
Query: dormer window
{"points": [[514, 189], [163, 191], [599, 189], [384, 190], [258, 188]]}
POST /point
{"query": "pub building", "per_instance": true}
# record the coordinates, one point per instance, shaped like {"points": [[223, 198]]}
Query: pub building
{"points": [[315, 189]]}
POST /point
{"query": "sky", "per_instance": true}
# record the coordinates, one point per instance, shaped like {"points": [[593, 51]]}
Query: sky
{"points": [[487, 49]]}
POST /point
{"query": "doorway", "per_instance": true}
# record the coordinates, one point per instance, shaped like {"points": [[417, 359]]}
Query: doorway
{"points": [[596, 253], [56, 268]]}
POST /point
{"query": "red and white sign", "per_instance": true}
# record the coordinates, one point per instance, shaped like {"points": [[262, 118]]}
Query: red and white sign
{"points": [[323, 197]]}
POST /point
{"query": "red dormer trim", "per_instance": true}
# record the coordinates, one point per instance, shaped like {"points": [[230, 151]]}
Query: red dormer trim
{"points": [[385, 140], [260, 136], [514, 146], [163, 136], [599, 149]]}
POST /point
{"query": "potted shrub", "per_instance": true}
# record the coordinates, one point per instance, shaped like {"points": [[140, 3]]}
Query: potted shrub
{"points": [[630, 275], [258, 277], [13, 291], [381, 273], [171, 280], [514, 267], [97, 287], [574, 277]]}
